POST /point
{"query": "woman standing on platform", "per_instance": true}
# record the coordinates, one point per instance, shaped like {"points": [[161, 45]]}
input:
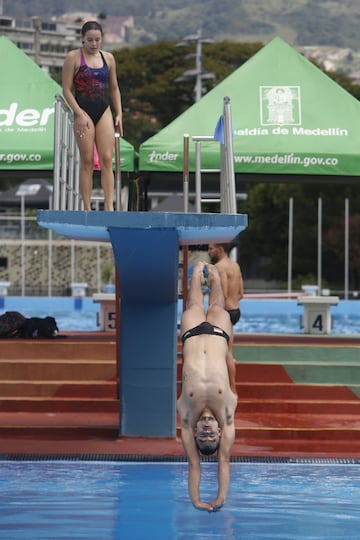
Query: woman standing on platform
{"points": [[86, 74]]}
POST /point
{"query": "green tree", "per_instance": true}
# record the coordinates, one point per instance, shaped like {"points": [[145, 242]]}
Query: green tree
{"points": [[151, 97], [264, 244]]}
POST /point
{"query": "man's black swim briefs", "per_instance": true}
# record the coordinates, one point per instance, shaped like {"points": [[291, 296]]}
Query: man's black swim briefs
{"points": [[235, 315], [205, 328]]}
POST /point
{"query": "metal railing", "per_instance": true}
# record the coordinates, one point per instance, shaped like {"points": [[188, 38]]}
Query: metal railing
{"points": [[227, 189], [66, 190]]}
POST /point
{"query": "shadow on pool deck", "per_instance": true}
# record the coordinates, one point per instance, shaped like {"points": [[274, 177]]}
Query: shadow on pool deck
{"points": [[277, 415]]}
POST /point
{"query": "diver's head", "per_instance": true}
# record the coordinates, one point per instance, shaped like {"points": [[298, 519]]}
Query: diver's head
{"points": [[207, 433]]}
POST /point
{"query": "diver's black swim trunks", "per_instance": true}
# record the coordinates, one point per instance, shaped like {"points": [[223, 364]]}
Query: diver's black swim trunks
{"points": [[235, 315], [205, 328]]}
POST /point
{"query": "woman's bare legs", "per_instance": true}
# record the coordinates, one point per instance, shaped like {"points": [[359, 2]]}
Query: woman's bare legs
{"points": [[86, 149], [105, 142]]}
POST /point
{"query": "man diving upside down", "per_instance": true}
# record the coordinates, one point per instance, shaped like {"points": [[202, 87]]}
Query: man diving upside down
{"points": [[208, 398]]}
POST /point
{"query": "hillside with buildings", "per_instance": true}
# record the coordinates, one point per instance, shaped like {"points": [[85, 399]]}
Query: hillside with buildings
{"points": [[299, 22], [47, 38]]}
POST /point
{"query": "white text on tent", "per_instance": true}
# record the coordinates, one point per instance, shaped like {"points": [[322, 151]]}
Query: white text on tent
{"points": [[26, 117], [162, 156], [322, 132]]}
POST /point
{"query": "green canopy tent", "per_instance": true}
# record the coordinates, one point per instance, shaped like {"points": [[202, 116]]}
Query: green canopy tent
{"points": [[290, 121], [27, 99]]}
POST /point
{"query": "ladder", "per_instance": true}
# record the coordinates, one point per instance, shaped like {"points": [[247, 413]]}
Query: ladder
{"points": [[227, 190]]}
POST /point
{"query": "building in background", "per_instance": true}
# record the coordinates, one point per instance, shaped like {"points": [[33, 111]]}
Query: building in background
{"points": [[48, 40]]}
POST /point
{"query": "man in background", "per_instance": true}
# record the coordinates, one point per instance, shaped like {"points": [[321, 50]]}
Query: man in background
{"points": [[231, 278]]}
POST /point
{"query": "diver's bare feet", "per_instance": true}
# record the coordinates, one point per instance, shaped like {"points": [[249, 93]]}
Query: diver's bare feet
{"points": [[198, 268], [212, 272], [198, 271]]}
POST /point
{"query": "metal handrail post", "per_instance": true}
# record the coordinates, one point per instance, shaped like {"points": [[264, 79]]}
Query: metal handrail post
{"points": [[223, 174], [70, 167], [198, 177], [64, 162], [66, 194], [346, 261], [186, 173], [118, 203], [77, 176], [230, 190], [56, 172]]}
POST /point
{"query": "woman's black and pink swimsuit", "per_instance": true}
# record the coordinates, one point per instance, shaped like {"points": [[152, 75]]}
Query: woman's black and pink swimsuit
{"points": [[90, 88]]}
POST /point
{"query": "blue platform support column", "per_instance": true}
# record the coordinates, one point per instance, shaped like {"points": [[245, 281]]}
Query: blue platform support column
{"points": [[147, 263], [146, 250]]}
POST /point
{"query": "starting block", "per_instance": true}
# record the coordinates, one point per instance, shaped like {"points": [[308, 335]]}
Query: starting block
{"points": [[107, 318], [317, 313]]}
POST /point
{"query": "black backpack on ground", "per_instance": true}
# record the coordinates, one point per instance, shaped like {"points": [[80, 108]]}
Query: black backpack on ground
{"points": [[10, 323], [13, 324]]}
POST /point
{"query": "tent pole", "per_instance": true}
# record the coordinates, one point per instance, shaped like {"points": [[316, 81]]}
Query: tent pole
{"points": [[118, 205], [98, 258], [198, 176], [186, 173], [57, 146], [22, 244], [50, 237], [72, 279], [50, 263], [185, 276], [290, 243], [319, 244], [346, 252], [228, 163]]}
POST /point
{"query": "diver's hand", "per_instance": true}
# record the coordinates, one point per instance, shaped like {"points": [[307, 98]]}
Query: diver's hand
{"points": [[203, 506], [217, 504]]}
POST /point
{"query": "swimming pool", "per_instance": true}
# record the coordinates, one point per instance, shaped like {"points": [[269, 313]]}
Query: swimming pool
{"points": [[258, 316], [291, 500]]}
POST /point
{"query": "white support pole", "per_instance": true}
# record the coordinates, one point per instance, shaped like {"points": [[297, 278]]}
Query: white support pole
{"points": [[57, 143], [98, 258], [23, 261], [50, 233], [50, 238], [228, 162], [319, 276], [290, 243], [198, 177], [186, 173], [346, 252], [72, 275], [118, 202]]}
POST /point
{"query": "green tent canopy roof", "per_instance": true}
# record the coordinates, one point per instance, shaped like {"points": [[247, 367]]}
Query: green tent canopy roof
{"points": [[288, 118], [27, 101]]}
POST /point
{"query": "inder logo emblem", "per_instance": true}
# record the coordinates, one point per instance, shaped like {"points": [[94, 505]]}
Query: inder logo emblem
{"points": [[280, 105]]}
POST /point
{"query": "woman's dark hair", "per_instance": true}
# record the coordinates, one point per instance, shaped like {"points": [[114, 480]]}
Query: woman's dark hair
{"points": [[91, 25]]}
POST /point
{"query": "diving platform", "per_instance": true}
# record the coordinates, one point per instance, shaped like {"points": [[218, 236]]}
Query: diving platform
{"points": [[146, 251]]}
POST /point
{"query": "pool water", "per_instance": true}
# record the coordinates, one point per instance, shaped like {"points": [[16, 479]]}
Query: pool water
{"points": [[257, 316], [248, 324], [290, 324], [43, 500]]}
